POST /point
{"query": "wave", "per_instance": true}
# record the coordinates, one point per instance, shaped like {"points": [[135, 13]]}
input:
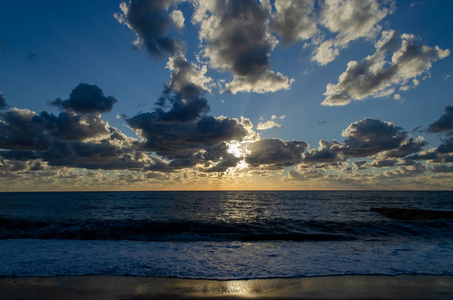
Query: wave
{"points": [[180, 230]]}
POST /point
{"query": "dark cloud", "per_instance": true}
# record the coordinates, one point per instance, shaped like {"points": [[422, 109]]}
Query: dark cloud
{"points": [[182, 110], [66, 140], [238, 40], [293, 20], [184, 128], [407, 147], [378, 140], [170, 138], [445, 122], [72, 127], [446, 146], [425, 155], [218, 158], [19, 154], [85, 99], [371, 136], [404, 172], [152, 23], [441, 169], [32, 56], [107, 154], [306, 174], [3, 104], [370, 78], [13, 165], [275, 152], [184, 93], [327, 152], [18, 131], [383, 163]]}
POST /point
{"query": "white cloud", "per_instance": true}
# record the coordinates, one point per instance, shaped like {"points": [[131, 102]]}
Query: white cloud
{"points": [[270, 124], [375, 76], [263, 83], [350, 20]]}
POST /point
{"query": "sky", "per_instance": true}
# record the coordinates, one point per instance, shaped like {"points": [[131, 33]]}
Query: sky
{"points": [[226, 95]]}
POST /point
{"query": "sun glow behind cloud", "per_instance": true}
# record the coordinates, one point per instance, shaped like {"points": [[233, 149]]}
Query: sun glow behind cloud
{"points": [[359, 81]]}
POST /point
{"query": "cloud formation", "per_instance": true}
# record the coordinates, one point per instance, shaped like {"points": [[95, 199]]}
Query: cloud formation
{"points": [[3, 104], [377, 77], [294, 20], [237, 39], [185, 128], [270, 123], [18, 131], [152, 23], [349, 20], [275, 152], [86, 99], [371, 136], [445, 122]]}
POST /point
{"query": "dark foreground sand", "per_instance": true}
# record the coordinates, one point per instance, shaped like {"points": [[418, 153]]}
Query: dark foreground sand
{"points": [[328, 287]]}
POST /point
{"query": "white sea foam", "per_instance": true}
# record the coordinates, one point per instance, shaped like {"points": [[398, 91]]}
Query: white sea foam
{"points": [[222, 260]]}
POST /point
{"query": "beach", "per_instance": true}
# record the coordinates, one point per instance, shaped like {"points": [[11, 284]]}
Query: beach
{"points": [[323, 287]]}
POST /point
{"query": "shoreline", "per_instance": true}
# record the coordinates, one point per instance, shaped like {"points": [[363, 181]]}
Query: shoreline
{"points": [[322, 287]]}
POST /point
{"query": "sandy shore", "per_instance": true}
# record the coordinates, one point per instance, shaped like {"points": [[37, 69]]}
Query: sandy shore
{"points": [[328, 287]]}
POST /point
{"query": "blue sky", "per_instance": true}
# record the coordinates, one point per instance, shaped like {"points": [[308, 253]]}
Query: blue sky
{"points": [[371, 78]]}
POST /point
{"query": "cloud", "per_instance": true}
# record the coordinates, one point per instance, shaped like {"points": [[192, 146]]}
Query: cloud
{"points": [[446, 146], [171, 138], [376, 77], [265, 82], [184, 93], [18, 131], [95, 156], [445, 122], [32, 57], [237, 39], [294, 20], [350, 20], [187, 79], [179, 131], [152, 23], [3, 104], [407, 147], [270, 124], [220, 157], [85, 99], [441, 169], [308, 174], [327, 152], [275, 152], [66, 140], [73, 127], [368, 138], [404, 172], [381, 163], [371, 136]]}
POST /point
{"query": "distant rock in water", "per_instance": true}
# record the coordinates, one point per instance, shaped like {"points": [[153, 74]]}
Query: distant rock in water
{"points": [[413, 214]]}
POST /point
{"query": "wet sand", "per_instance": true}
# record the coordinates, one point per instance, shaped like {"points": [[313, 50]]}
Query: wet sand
{"points": [[326, 287]]}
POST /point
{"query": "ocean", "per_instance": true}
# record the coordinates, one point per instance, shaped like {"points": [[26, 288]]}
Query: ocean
{"points": [[223, 234]]}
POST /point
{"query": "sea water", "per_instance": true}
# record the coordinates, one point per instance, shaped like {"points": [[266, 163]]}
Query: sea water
{"points": [[222, 235]]}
